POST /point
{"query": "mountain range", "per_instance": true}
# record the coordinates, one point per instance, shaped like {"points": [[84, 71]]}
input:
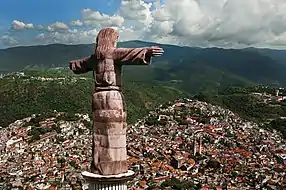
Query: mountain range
{"points": [[182, 71], [198, 68]]}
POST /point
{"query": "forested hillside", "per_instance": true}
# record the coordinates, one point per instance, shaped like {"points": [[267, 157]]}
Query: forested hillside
{"points": [[182, 71], [42, 91], [255, 65]]}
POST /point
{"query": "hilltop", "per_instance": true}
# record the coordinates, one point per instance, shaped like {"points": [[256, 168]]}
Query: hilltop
{"points": [[186, 144]]}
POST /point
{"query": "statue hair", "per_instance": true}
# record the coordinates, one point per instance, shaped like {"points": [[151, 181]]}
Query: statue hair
{"points": [[105, 40]]}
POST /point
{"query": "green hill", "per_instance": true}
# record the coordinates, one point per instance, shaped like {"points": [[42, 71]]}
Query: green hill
{"points": [[42, 91], [182, 71], [253, 65], [255, 103]]}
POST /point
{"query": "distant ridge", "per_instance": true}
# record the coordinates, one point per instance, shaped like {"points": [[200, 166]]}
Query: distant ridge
{"points": [[263, 66]]}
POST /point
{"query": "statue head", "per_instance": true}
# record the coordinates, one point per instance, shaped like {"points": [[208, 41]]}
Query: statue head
{"points": [[106, 39]]}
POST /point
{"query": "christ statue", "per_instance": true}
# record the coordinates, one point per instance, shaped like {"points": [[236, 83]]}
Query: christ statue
{"points": [[109, 155]]}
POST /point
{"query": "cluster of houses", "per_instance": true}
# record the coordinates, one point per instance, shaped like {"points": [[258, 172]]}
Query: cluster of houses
{"points": [[199, 144]]}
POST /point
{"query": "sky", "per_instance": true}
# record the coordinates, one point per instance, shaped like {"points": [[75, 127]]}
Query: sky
{"points": [[203, 23]]}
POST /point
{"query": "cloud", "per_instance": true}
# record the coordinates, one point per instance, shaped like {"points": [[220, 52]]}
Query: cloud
{"points": [[76, 23], [75, 36], [57, 26], [222, 23], [99, 20], [18, 25], [71, 36], [137, 13], [8, 40], [40, 37]]}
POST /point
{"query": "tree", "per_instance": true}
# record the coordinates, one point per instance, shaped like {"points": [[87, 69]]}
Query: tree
{"points": [[34, 138]]}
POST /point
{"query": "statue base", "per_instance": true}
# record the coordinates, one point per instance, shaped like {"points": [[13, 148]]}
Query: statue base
{"points": [[108, 182]]}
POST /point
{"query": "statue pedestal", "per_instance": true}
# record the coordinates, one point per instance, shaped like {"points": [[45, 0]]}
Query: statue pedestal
{"points": [[108, 182]]}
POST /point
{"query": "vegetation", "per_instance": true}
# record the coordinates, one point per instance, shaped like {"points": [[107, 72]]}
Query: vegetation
{"points": [[21, 98], [252, 107], [175, 183], [255, 65], [279, 124], [24, 96], [224, 77]]}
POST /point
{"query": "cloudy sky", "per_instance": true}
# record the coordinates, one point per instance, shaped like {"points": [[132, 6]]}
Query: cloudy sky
{"points": [[205, 23]]}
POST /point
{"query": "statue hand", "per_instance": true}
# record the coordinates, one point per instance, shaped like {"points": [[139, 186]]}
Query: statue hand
{"points": [[155, 51], [72, 62], [79, 61]]}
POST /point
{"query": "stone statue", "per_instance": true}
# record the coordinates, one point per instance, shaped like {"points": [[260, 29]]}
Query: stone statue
{"points": [[109, 155]]}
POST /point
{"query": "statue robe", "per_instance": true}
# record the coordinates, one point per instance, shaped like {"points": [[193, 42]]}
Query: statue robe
{"points": [[108, 106]]}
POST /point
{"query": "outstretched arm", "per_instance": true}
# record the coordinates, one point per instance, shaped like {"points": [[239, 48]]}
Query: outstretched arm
{"points": [[136, 56], [84, 65]]}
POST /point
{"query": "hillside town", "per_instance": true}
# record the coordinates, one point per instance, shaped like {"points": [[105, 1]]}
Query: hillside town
{"points": [[186, 144], [271, 98], [29, 77]]}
